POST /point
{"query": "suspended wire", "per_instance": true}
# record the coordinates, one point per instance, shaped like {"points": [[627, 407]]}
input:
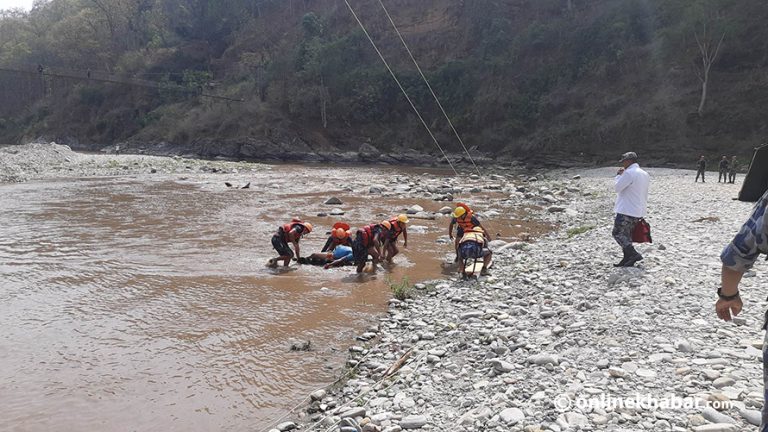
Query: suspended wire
{"points": [[429, 86], [416, 110]]}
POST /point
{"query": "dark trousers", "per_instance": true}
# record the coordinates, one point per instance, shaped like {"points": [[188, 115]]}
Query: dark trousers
{"points": [[723, 175], [699, 173], [732, 177]]}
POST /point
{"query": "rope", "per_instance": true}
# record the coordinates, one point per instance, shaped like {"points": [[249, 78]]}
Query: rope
{"points": [[400, 85], [455, 132]]}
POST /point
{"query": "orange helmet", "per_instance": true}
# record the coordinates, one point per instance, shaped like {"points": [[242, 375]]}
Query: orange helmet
{"points": [[340, 233], [386, 225], [308, 226]]}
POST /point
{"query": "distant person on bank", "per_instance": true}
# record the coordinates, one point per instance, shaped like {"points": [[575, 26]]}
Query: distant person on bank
{"points": [[632, 185], [723, 168], [701, 168], [732, 170], [738, 257]]}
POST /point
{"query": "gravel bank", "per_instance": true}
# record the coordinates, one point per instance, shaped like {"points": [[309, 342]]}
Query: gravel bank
{"points": [[557, 329], [19, 163]]}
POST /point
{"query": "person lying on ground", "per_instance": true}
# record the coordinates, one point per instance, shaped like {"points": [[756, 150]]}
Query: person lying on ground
{"points": [[342, 255]]}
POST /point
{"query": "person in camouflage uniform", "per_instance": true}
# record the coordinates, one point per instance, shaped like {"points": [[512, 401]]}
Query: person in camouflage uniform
{"points": [[723, 168], [732, 170], [737, 258]]}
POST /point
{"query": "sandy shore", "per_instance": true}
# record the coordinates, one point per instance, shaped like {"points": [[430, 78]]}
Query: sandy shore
{"points": [[558, 339]]}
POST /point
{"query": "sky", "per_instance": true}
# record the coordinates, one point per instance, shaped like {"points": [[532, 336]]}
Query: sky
{"points": [[9, 4]]}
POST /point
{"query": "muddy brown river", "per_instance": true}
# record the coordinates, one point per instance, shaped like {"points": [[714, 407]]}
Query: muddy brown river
{"points": [[143, 303]]}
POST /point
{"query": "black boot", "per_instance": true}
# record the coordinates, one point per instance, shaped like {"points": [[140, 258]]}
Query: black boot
{"points": [[633, 256], [623, 260]]}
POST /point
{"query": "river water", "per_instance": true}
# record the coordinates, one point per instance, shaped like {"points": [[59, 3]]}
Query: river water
{"points": [[143, 302]]}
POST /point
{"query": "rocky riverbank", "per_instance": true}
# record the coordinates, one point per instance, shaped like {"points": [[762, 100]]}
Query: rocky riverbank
{"points": [[557, 339], [19, 163]]}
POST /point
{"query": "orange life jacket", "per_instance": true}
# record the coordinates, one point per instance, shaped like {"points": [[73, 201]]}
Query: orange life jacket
{"points": [[368, 233], [465, 221], [396, 228], [289, 226]]}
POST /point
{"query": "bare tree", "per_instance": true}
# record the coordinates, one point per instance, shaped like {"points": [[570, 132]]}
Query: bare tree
{"points": [[324, 96], [708, 50]]}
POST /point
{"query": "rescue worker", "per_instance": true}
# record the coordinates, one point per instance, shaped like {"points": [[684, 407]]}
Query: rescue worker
{"points": [[399, 226], [368, 242], [472, 246], [291, 232], [339, 237], [464, 217]]}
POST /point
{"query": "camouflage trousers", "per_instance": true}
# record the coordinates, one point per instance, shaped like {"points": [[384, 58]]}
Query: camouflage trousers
{"points": [[622, 229]]}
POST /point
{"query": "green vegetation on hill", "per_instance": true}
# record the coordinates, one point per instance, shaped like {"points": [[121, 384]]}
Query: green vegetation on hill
{"points": [[537, 79]]}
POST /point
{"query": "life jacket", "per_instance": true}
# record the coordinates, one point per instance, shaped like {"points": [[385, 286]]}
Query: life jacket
{"points": [[396, 228], [285, 229], [367, 233], [472, 236], [465, 221]]}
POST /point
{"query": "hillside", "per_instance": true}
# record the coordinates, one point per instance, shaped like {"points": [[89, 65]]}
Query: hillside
{"points": [[555, 81]]}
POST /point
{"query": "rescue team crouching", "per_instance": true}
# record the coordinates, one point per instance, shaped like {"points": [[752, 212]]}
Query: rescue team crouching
{"points": [[377, 241]]}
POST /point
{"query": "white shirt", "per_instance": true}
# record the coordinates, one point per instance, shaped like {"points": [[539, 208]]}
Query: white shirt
{"points": [[632, 190]]}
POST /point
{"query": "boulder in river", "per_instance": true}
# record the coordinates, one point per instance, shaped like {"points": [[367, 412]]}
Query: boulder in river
{"points": [[301, 345], [414, 209]]}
